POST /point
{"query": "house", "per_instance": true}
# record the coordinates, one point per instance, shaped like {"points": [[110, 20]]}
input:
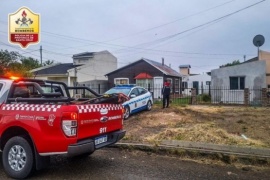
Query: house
{"points": [[232, 80], [201, 82], [147, 73], [87, 69]]}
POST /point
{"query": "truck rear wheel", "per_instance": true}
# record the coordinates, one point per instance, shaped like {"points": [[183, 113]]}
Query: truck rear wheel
{"points": [[18, 158]]}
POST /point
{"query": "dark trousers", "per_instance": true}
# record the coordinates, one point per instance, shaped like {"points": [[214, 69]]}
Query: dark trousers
{"points": [[166, 100]]}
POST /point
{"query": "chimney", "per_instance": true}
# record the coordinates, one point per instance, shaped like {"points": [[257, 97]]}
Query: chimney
{"points": [[184, 69], [162, 61]]}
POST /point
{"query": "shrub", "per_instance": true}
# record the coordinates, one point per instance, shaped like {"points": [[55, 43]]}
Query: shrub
{"points": [[206, 98]]}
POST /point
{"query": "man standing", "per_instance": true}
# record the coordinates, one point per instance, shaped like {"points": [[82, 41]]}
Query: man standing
{"points": [[166, 90]]}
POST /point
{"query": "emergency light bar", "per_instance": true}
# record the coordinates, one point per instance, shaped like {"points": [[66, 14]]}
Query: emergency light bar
{"points": [[125, 85]]}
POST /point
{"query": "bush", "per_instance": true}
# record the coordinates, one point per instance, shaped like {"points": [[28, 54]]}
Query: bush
{"points": [[206, 98]]}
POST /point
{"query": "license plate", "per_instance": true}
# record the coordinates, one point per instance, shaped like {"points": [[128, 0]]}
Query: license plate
{"points": [[100, 140]]}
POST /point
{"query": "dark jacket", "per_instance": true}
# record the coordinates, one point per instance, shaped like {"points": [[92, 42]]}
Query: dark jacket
{"points": [[166, 90]]}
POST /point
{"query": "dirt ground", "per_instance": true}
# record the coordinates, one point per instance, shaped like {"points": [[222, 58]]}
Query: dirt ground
{"points": [[244, 126]]}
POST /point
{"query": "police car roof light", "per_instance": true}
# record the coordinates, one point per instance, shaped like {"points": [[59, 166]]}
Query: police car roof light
{"points": [[125, 85]]}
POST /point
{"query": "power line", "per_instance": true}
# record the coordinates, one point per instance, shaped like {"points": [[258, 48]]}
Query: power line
{"points": [[165, 38], [201, 25], [171, 22]]}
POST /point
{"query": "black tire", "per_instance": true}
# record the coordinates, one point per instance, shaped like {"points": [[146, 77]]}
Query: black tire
{"points": [[149, 106], [18, 158], [127, 112]]}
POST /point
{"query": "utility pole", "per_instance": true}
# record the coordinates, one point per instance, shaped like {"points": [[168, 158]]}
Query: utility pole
{"points": [[40, 50], [75, 73]]}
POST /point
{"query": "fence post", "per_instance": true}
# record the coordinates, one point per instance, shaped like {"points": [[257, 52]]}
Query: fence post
{"points": [[264, 97], [246, 96], [193, 96], [98, 88]]}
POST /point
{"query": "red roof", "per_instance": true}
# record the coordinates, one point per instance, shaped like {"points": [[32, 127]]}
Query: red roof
{"points": [[143, 76]]}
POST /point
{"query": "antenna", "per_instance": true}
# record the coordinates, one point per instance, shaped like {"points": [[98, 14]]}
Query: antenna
{"points": [[258, 41]]}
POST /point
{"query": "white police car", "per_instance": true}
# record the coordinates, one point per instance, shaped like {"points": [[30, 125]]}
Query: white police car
{"points": [[140, 98]]}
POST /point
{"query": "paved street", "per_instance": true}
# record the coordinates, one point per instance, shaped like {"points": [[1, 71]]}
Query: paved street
{"points": [[120, 164]]}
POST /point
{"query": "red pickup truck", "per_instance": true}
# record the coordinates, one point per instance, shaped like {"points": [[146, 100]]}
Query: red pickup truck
{"points": [[38, 119]]}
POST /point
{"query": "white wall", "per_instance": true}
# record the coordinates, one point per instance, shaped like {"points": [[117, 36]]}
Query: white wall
{"points": [[254, 73], [255, 78], [101, 64], [202, 79]]}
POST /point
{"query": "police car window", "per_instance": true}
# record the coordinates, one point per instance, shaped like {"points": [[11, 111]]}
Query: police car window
{"points": [[142, 91], [1, 85], [135, 91]]}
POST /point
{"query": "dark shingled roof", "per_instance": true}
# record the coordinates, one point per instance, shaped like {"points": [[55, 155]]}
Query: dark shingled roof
{"points": [[57, 69], [83, 55], [163, 68], [185, 66]]}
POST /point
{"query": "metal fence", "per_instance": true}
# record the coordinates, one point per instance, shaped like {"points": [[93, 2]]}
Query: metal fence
{"points": [[202, 95], [226, 96]]}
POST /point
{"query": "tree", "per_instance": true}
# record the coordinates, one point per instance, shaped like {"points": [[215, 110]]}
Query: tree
{"points": [[48, 62], [6, 58], [235, 62], [12, 63], [30, 63]]}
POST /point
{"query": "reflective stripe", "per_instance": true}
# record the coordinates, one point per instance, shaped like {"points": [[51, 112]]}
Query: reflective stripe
{"points": [[30, 107], [98, 107]]}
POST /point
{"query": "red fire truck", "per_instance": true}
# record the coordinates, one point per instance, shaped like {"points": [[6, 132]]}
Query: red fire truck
{"points": [[38, 119]]}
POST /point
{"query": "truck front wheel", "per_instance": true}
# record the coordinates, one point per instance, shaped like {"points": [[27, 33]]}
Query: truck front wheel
{"points": [[18, 158]]}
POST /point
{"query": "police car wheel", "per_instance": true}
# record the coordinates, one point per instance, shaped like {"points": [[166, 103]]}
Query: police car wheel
{"points": [[18, 158], [127, 112], [149, 105]]}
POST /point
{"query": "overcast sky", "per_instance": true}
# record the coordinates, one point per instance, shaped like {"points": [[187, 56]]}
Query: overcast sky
{"points": [[201, 33]]}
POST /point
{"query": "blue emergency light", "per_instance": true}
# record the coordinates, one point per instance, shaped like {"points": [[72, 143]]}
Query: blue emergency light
{"points": [[126, 85]]}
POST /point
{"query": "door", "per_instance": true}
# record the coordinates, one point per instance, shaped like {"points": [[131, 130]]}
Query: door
{"points": [[196, 86], [158, 84], [135, 100]]}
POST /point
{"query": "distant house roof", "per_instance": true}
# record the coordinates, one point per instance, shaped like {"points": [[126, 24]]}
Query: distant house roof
{"points": [[143, 76], [56, 69], [163, 68], [83, 55], [251, 60], [185, 66]]}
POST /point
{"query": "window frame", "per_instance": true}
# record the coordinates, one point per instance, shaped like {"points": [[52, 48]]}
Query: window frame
{"points": [[115, 79], [239, 85]]}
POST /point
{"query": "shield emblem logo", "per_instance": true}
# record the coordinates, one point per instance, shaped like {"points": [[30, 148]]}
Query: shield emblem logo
{"points": [[24, 27]]}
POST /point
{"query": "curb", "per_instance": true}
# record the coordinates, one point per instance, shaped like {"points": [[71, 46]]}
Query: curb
{"points": [[204, 148], [226, 149]]}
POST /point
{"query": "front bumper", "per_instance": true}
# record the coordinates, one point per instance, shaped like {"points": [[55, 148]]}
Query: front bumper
{"points": [[88, 145]]}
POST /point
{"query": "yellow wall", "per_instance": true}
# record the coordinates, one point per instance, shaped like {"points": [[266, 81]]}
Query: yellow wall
{"points": [[263, 55], [184, 71]]}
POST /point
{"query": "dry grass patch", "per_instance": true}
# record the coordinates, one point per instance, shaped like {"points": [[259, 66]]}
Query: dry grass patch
{"points": [[211, 124]]}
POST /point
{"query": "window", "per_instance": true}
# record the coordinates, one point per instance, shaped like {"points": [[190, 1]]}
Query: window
{"points": [[144, 82], [171, 82], [1, 85], [135, 91], [237, 83], [176, 85], [184, 85], [121, 81], [142, 91]]}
